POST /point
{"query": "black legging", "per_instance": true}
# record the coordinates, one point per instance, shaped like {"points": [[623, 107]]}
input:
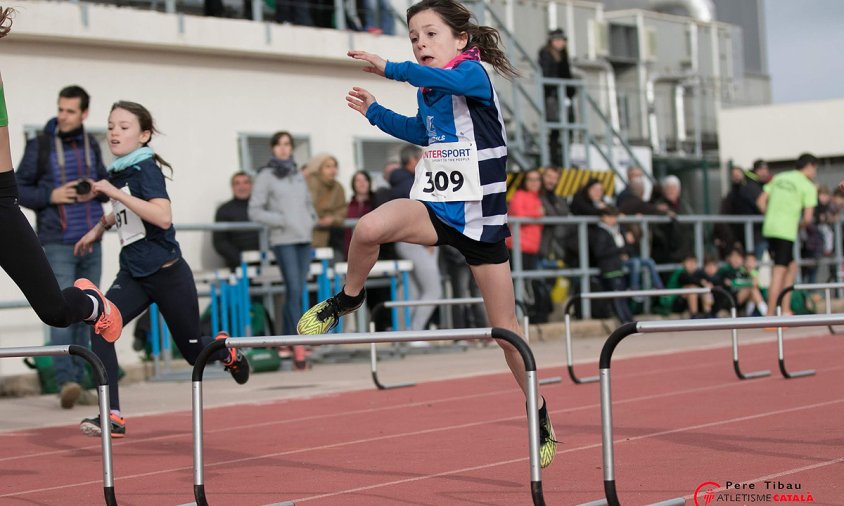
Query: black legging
{"points": [[174, 290], [23, 259]]}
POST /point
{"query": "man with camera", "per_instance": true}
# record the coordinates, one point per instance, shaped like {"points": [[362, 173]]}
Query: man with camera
{"points": [[54, 180]]}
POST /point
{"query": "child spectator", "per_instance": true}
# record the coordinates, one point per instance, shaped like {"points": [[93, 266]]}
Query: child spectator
{"points": [[690, 276], [607, 249], [738, 281]]}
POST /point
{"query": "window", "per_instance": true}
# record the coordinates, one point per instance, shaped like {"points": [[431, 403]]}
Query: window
{"points": [[255, 150], [373, 154]]}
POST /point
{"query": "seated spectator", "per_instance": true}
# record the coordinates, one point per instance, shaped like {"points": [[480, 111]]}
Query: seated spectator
{"points": [[634, 205], [735, 278], [231, 243], [329, 200], [690, 276], [606, 249]]}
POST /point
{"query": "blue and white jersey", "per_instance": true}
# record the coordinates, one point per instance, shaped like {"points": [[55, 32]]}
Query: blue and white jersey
{"points": [[457, 105]]}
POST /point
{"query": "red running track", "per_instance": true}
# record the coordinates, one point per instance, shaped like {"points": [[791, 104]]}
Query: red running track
{"points": [[680, 420]]}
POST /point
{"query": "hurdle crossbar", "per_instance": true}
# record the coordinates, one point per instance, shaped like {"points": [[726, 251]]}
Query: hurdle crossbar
{"points": [[362, 338], [102, 389], [569, 304], [827, 288], [675, 326], [440, 302]]}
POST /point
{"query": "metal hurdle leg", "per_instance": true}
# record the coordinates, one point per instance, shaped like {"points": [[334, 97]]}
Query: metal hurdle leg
{"points": [[374, 361], [382, 337], [736, 367], [781, 356], [102, 389]]}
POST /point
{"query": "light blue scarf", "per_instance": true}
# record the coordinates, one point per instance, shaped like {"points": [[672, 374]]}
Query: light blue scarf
{"points": [[133, 158]]}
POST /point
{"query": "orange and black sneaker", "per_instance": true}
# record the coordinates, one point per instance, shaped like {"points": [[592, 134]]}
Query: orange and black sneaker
{"points": [[91, 426], [235, 363], [109, 324]]}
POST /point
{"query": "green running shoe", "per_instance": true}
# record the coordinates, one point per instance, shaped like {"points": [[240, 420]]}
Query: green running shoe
{"points": [[324, 316], [547, 443]]}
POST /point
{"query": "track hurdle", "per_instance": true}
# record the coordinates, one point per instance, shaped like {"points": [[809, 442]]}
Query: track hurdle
{"points": [[102, 389], [569, 304], [827, 288], [674, 326], [392, 304], [363, 338]]}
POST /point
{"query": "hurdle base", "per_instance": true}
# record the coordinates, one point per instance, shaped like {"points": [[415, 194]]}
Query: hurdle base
{"points": [[199, 495], [749, 375], [110, 498], [551, 380], [382, 386], [536, 492], [599, 502], [578, 381], [795, 374]]}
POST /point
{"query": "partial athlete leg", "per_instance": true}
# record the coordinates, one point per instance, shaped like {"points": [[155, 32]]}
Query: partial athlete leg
{"points": [[778, 276], [400, 220], [496, 285]]}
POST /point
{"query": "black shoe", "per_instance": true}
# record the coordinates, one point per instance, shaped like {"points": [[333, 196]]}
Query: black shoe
{"points": [[236, 363]]}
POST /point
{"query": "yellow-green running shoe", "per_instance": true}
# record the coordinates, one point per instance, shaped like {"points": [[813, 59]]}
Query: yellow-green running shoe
{"points": [[324, 316], [547, 442]]}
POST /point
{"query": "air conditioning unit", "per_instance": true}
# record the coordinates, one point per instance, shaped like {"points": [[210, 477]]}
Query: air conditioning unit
{"points": [[599, 37]]}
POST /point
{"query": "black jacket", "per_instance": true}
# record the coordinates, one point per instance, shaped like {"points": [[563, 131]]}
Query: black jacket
{"points": [[230, 244], [603, 251]]}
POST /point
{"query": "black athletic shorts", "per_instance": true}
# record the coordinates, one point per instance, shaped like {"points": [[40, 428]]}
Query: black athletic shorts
{"points": [[782, 251], [476, 252]]}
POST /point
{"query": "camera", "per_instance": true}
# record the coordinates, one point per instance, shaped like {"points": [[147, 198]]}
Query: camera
{"points": [[83, 187]]}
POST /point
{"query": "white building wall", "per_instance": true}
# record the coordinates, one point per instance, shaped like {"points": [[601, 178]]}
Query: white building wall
{"points": [[203, 84], [780, 132]]}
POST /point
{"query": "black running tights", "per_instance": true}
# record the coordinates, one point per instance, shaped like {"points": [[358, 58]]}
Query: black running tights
{"points": [[23, 259]]}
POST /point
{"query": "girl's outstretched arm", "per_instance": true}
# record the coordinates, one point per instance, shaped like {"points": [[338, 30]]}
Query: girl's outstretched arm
{"points": [[402, 127], [376, 63]]}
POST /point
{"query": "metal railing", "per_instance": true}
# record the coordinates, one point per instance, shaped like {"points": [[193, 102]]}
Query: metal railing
{"points": [[610, 492], [362, 338], [583, 271], [640, 293]]}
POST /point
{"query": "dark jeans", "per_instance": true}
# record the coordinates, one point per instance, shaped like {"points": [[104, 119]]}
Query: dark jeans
{"points": [[620, 306], [294, 261], [68, 268]]}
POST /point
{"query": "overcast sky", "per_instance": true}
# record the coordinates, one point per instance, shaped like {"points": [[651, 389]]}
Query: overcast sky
{"points": [[805, 49]]}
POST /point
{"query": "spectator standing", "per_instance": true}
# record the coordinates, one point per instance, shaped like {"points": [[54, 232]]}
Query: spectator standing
{"points": [[281, 200], [54, 179], [673, 241], [230, 244], [553, 236], [527, 203], [788, 202], [362, 202], [554, 61], [329, 200], [743, 201], [378, 17], [589, 199], [634, 174]]}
